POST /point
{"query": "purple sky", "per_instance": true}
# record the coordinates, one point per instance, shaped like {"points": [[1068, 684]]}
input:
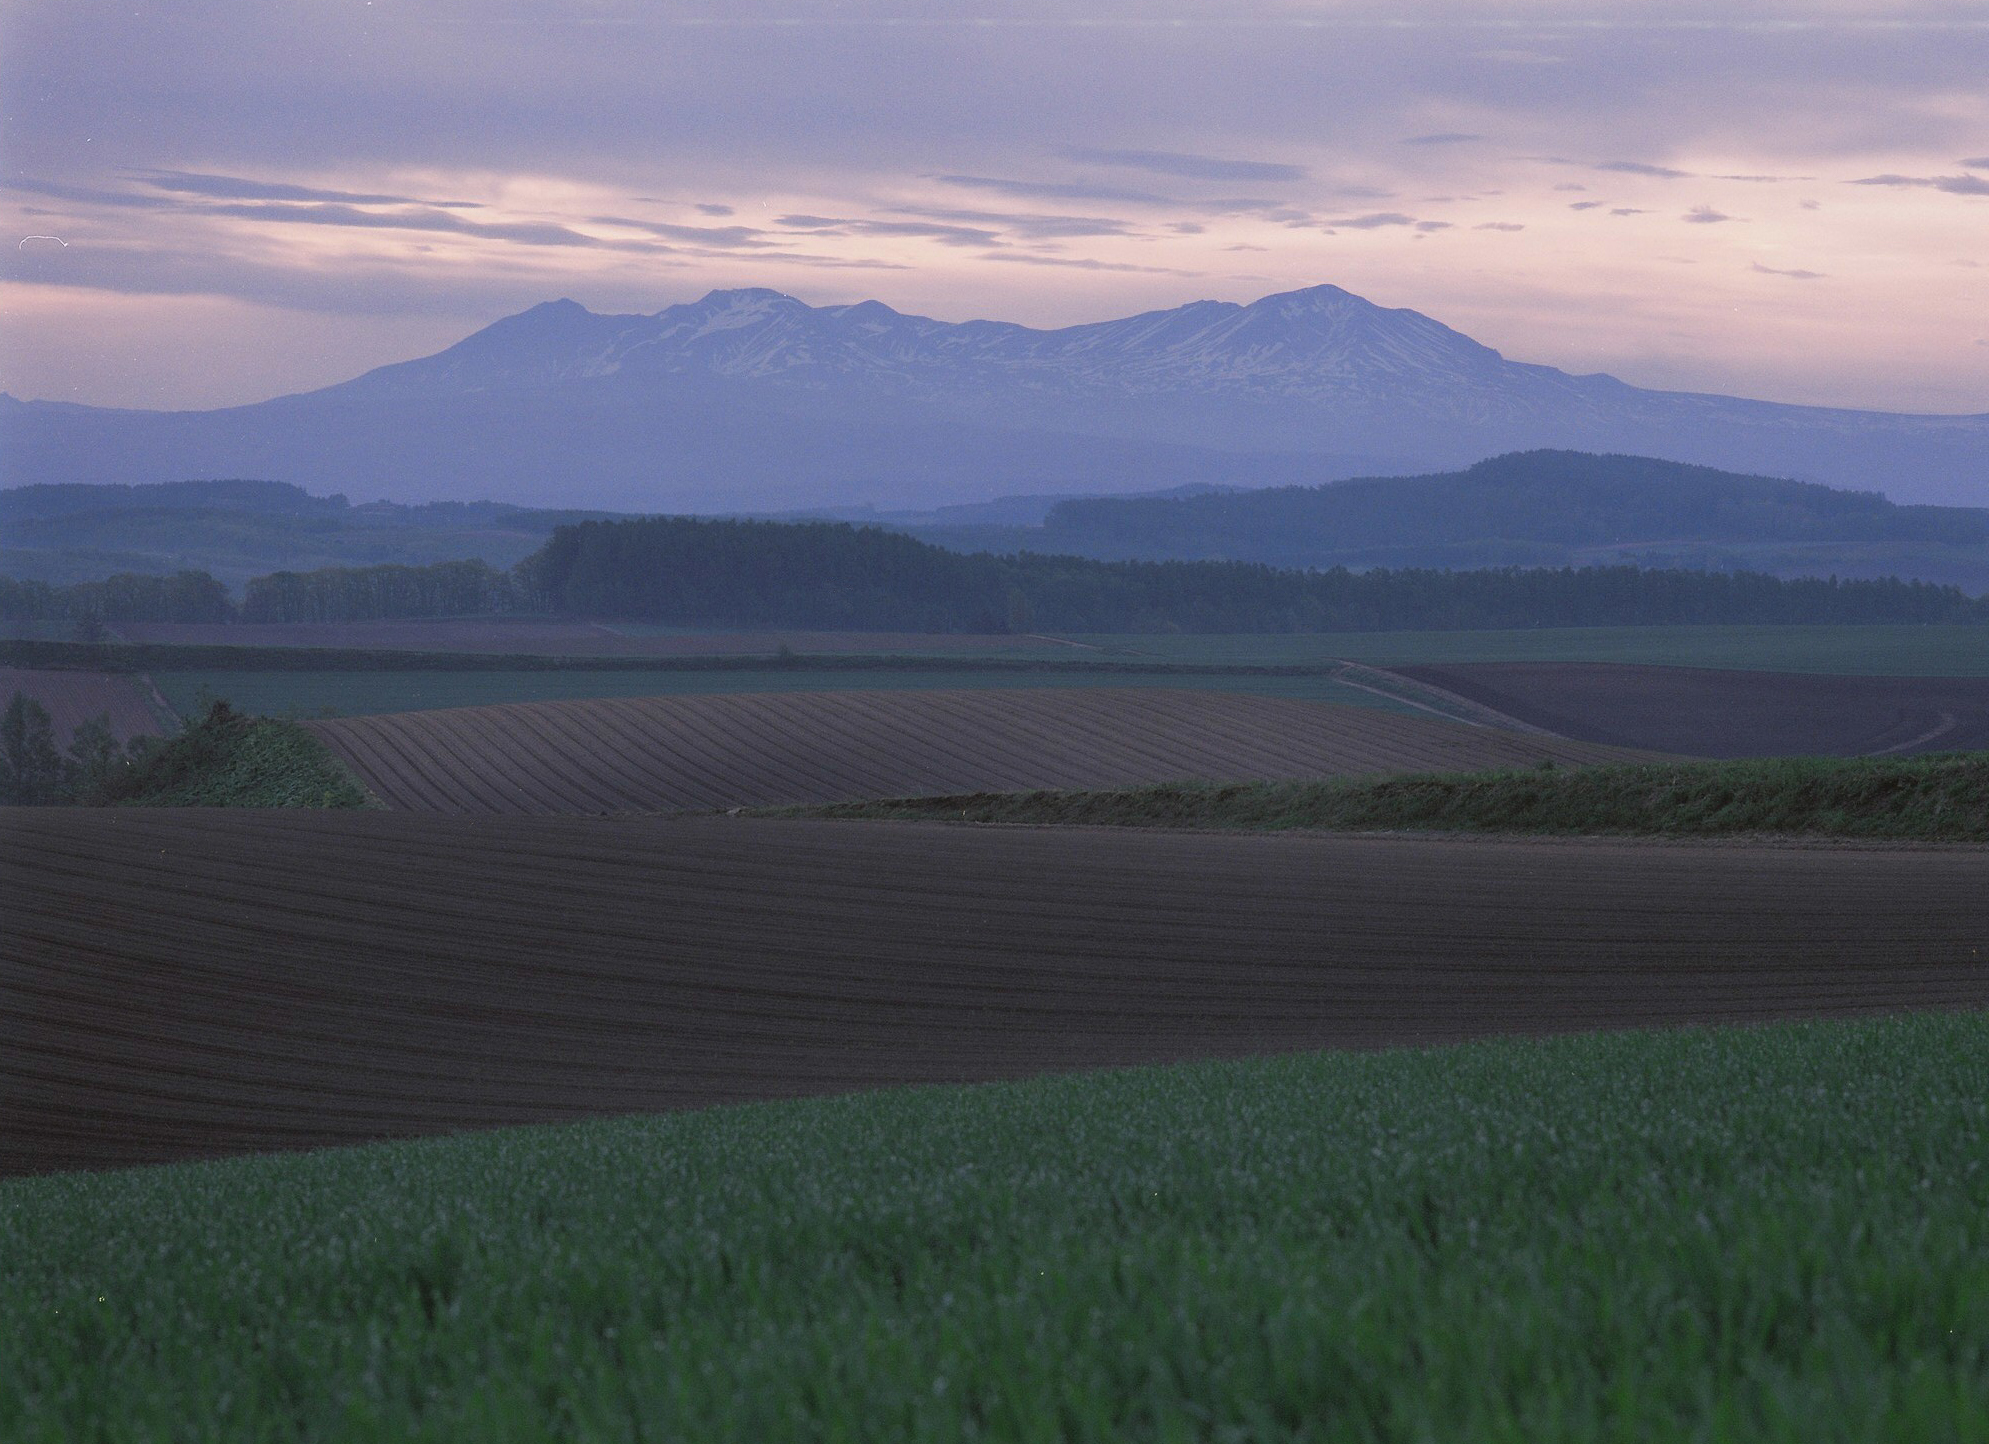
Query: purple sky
{"points": [[215, 203]]}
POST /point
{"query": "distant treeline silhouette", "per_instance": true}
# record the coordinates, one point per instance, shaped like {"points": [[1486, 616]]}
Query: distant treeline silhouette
{"points": [[836, 576], [832, 576], [1543, 502]]}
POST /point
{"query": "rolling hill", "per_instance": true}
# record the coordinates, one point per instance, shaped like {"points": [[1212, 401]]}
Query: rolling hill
{"points": [[655, 753]]}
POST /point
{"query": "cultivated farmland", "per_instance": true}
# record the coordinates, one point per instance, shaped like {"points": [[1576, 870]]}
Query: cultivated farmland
{"points": [[636, 754], [175, 984], [287, 693], [75, 697], [1718, 713]]}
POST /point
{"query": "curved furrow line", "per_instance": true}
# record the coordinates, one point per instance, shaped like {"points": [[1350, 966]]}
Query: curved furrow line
{"points": [[616, 754]]}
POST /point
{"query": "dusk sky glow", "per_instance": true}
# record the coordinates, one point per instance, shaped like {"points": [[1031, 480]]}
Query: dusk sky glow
{"points": [[216, 203]]}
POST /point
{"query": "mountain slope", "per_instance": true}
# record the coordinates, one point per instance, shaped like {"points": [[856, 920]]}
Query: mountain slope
{"points": [[750, 399]]}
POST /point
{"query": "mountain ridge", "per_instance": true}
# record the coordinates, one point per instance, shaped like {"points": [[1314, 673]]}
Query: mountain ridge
{"points": [[751, 399]]}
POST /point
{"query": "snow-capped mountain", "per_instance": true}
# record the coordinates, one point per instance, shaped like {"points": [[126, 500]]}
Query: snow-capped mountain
{"points": [[1321, 345], [752, 399]]}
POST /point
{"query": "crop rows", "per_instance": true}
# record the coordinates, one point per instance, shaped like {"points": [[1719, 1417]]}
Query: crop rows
{"points": [[177, 984], [634, 754]]}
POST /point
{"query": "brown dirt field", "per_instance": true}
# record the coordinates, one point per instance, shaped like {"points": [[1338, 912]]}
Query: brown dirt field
{"points": [[560, 639], [73, 697], [652, 753], [181, 984], [1708, 713]]}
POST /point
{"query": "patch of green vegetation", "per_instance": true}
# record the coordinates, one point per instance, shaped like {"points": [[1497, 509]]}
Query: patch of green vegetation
{"points": [[1770, 1233], [1880, 651], [1939, 796], [226, 759], [353, 694]]}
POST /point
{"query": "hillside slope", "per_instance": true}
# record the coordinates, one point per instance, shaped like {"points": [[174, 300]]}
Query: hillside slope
{"points": [[649, 753]]}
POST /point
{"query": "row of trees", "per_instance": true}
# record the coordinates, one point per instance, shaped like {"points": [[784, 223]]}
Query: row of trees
{"points": [[35, 773], [833, 576], [366, 594], [332, 594], [127, 597]]}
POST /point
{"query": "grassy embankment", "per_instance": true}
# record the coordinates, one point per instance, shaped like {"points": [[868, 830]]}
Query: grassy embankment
{"points": [[1941, 796], [1768, 1233], [226, 759]]}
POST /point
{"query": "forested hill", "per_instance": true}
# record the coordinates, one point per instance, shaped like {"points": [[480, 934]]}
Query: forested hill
{"points": [[1540, 508], [832, 575]]}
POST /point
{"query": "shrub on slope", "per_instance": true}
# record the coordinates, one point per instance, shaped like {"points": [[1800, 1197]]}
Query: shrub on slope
{"points": [[226, 759]]}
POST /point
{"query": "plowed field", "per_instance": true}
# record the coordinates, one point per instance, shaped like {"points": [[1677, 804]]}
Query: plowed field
{"points": [[634, 754], [73, 697], [176, 984], [1718, 713]]}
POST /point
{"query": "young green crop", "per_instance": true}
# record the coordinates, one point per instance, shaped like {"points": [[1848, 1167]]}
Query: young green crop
{"points": [[1742, 1234], [1936, 797]]}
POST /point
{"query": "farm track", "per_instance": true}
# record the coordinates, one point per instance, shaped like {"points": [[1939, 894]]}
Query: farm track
{"points": [[186, 984], [656, 753], [1709, 712]]}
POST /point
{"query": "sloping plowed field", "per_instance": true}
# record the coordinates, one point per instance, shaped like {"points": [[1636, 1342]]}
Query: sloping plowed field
{"points": [[631, 754], [175, 984], [1719, 713], [73, 697]]}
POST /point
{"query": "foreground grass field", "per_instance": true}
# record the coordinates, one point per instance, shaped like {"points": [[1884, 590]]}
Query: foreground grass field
{"points": [[1763, 1234], [362, 694], [1941, 651], [1936, 797]]}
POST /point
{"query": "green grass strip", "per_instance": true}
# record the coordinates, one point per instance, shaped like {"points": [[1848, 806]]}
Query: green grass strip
{"points": [[228, 759], [1943, 796], [1766, 1234]]}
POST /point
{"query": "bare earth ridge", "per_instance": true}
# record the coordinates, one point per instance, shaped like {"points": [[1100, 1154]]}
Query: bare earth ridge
{"points": [[650, 753], [183, 984]]}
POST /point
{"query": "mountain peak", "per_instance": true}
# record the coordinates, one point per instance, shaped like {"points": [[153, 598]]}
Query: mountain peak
{"points": [[1323, 297], [745, 296]]}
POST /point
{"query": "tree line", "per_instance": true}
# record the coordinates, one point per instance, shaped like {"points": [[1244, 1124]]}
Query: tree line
{"points": [[833, 576], [330, 594], [34, 773], [836, 576]]}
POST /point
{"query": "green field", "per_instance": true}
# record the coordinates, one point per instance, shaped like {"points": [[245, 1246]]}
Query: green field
{"points": [[1952, 651], [1737, 1234], [352, 694], [1936, 797]]}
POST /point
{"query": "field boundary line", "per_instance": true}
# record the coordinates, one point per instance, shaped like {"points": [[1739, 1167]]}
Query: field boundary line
{"points": [[1404, 689]]}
